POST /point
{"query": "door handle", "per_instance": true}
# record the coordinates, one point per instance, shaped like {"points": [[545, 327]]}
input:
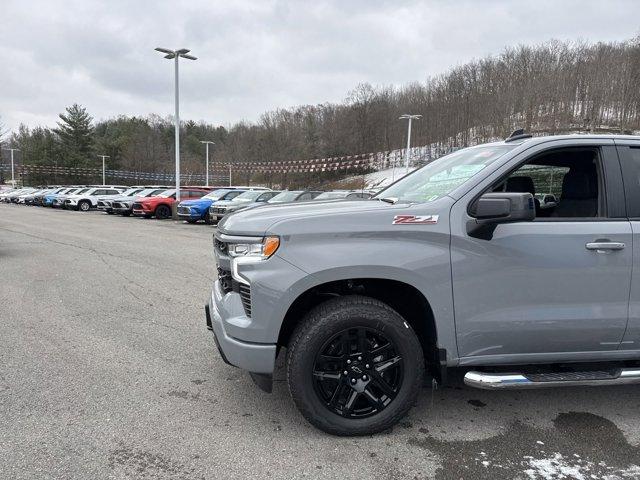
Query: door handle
{"points": [[601, 247]]}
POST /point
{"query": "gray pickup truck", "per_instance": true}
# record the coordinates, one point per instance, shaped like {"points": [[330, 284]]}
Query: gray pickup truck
{"points": [[454, 265]]}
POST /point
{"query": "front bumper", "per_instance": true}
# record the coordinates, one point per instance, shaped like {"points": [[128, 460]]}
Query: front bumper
{"points": [[140, 210], [253, 357], [189, 213], [216, 214]]}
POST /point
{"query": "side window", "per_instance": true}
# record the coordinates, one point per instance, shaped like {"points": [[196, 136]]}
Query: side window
{"points": [[304, 196], [565, 183], [232, 195], [630, 163], [265, 196]]}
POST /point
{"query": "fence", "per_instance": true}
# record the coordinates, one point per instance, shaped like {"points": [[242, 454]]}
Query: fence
{"points": [[222, 172]]}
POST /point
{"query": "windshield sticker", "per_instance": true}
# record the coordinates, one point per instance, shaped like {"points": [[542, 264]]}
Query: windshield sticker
{"points": [[415, 219]]}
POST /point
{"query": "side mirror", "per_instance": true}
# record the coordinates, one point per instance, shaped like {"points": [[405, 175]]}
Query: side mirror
{"points": [[492, 209]]}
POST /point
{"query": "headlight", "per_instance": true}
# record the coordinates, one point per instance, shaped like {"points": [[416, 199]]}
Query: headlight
{"points": [[261, 251]]}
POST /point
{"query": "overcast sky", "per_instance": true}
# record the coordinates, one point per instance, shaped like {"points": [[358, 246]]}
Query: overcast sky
{"points": [[255, 56]]}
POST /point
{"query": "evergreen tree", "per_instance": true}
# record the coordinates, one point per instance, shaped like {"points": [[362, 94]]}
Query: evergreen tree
{"points": [[76, 134]]}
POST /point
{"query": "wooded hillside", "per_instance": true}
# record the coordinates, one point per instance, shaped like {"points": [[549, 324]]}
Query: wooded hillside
{"points": [[551, 88]]}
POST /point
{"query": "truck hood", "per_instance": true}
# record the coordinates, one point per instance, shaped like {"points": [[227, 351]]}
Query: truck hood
{"points": [[198, 202], [223, 203], [120, 198], [266, 219]]}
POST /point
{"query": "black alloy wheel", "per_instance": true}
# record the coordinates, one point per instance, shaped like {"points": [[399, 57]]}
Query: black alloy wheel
{"points": [[163, 212], [354, 366], [358, 373]]}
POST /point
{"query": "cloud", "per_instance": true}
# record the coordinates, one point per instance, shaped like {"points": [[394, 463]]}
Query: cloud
{"points": [[259, 55]]}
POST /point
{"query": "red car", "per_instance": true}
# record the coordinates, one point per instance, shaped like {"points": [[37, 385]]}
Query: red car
{"points": [[160, 205]]}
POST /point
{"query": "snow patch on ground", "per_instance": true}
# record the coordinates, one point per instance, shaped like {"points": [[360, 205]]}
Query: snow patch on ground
{"points": [[557, 467]]}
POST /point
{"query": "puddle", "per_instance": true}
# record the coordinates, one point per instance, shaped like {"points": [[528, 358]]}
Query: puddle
{"points": [[581, 446]]}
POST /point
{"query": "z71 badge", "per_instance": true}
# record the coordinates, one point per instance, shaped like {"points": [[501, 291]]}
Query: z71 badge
{"points": [[415, 219]]}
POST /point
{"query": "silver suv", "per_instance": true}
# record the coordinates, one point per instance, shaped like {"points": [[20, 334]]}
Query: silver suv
{"points": [[86, 199], [455, 265]]}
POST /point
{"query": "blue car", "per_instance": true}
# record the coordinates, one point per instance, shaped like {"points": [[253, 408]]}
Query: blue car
{"points": [[47, 200], [198, 209]]}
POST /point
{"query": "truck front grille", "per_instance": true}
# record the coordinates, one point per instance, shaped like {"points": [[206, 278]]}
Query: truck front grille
{"points": [[228, 284], [221, 246], [245, 294]]}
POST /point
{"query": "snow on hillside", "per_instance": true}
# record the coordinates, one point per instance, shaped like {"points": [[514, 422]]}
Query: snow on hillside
{"points": [[377, 180]]}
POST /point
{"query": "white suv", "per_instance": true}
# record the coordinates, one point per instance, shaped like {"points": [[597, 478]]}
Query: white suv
{"points": [[88, 199]]}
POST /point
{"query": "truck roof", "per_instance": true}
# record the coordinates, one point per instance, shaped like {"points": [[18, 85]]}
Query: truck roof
{"points": [[572, 136]]}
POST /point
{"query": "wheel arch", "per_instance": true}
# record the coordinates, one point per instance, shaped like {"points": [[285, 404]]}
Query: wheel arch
{"points": [[403, 297], [161, 204]]}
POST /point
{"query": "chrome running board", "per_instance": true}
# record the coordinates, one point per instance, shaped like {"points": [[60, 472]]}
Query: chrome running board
{"points": [[496, 381]]}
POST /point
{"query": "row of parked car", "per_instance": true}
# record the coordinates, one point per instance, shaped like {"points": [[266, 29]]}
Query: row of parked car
{"points": [[207, 204]]}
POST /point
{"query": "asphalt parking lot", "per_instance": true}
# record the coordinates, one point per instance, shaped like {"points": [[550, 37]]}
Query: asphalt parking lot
{"points": [[107, 371]]}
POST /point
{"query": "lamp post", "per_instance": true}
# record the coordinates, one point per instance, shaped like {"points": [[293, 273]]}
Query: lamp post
{"points": [[207, 143], [103, 157], [13, 179], [409, 117], [175, 55]]}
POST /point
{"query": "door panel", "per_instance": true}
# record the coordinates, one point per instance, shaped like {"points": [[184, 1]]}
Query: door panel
{"points": [[629, 153], [536, 288]]}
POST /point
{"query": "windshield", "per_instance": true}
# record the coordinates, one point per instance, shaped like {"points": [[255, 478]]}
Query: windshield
{"points": [[443, 175], [248, 196], [284, 197], [131, 192], [167, 193], [217, 194], [331, 195], [149, 191], [82, 191]]}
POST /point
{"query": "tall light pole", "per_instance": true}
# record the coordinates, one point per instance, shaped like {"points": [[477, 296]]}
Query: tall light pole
{"points": [[207, 143], [13, 178], [409, 117], [103, 157], [175, 55]]}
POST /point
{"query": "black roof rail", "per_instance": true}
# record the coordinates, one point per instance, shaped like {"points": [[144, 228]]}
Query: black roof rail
{"points": [[518, 135]]}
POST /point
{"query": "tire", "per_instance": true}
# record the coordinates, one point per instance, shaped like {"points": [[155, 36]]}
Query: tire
{"points": [[110, 212], [322, 331], [163, 212], [126, 214], [84, 206], [192, 221], [207, 218]]}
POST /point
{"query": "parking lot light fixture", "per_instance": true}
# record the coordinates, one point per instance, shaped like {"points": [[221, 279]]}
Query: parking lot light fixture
{"points": [[207, 143], [103, 157], [409, 117], [13, 178], [176, 55]]}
